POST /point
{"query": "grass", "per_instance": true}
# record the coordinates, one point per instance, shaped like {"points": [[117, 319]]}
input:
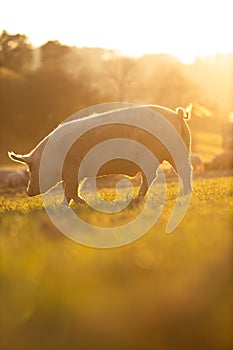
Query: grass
{"points": [[162, 292]]}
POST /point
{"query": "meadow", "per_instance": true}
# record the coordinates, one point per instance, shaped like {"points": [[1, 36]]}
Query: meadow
{"points": [[163, 291]]}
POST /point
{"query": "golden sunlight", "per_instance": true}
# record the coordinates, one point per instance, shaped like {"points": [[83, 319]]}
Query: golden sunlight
{"points": [[185, 29]]}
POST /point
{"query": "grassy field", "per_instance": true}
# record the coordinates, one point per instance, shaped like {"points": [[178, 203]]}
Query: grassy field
{"points": [[162, 292]]}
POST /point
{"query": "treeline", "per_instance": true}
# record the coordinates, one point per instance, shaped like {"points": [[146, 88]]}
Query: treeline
{"points": [[40, 87]]}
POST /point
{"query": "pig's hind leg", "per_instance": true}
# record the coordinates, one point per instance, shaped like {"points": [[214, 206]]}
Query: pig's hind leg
{"points": [[71, 192]]}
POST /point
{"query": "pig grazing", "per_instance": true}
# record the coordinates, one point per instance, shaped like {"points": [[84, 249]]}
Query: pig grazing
{"points": [[197, 162], [222, 161], [119, 124], [14, 178], [110, 181]]}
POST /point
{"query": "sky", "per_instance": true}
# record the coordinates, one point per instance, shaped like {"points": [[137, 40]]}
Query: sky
{"points": [[184, 28]]}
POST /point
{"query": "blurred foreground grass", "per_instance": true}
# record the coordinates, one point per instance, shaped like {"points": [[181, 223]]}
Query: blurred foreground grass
{"points": [[162, 292]]}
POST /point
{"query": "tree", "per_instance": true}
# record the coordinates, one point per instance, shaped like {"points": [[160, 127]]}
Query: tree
{"points": [[54, 55], [16, 52], [120, 74]]}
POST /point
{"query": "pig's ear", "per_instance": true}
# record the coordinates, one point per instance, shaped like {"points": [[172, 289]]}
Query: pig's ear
{"points": [[25, 159]]}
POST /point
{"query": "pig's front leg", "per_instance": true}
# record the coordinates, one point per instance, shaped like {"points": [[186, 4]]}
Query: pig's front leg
{"points": [[71, 192]]}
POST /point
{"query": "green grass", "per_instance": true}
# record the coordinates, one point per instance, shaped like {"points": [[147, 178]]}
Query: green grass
{"points": [[164, 291]]}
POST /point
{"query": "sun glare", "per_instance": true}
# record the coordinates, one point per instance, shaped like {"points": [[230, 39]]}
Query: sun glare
{"points": [[185, 29]]}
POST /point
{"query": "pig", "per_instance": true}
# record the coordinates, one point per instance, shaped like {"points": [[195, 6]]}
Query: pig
{"points": [[197, 163], [92, 133], [14, 178], [110, 181], [222, 161]]}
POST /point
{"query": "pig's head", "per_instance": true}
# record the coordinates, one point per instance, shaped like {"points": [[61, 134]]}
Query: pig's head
{"points": [[32, 160], [33, 166]]}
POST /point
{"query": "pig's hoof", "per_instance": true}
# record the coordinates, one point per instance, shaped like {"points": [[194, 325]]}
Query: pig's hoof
{"points": [[80, 201]]}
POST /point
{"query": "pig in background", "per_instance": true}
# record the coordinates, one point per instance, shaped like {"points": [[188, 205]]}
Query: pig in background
{"points": [[197, 163], [222, 161], [16, 179], [110, 181]]}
